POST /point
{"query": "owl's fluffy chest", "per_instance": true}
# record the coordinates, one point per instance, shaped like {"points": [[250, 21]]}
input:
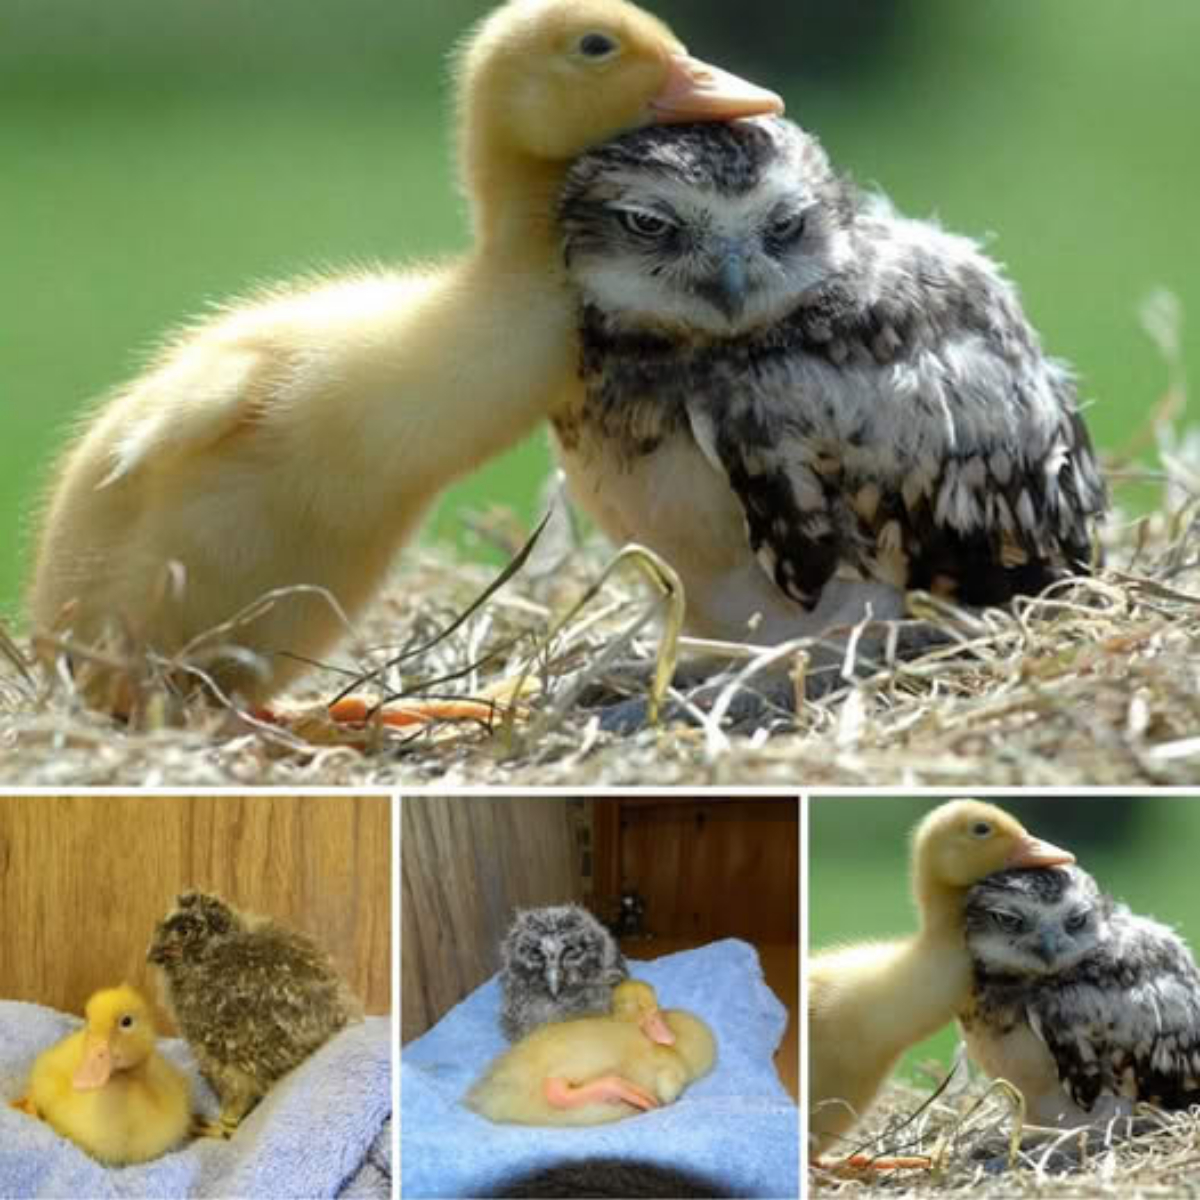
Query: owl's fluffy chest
{"points": [[1004, 1046], [673, 500]]}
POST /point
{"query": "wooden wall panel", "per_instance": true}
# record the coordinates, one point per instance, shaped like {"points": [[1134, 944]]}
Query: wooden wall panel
{"points": [[467, 862], [706, 868], [84, 879]]}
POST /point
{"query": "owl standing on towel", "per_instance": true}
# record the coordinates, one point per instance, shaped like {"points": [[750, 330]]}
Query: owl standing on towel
{"points": [[253, 998], [805, 402], [1085, 1007], [556, 962]]}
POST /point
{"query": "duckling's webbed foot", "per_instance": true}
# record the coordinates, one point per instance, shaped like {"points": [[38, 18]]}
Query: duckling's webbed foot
{"points": [[607, 1089]]}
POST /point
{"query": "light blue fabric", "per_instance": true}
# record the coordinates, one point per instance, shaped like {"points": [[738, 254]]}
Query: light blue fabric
{"points": [[321, 1130], [737, 1127]]}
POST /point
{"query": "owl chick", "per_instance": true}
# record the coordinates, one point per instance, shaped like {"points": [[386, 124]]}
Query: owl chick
{"points": [[556, 962], [1085, 1007], [806, 402], [252, 998]]}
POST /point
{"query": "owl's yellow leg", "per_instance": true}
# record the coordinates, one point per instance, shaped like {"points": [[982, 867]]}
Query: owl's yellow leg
{"points": [[607, 1089], [238, 1093]]}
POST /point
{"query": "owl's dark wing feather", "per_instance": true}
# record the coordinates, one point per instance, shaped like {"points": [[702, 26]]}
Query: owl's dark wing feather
{"points": [[1126, 1023], [929, 445]]}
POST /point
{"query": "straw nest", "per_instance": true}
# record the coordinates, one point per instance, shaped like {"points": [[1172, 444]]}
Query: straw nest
{"points": [[973, 1141], [1095, 683]]}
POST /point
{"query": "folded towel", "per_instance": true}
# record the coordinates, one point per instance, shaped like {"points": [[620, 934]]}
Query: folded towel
{"points": [[321, 1130], [736, 1131]]}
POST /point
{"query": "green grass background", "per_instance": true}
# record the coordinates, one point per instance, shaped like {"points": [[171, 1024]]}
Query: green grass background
{"points": [[158, 155], [858, 886]]}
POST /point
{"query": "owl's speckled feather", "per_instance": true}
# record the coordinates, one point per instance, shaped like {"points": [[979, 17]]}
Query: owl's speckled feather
{"points": [[556, 962], [788, 383], [253, 998], [1085, 1006]]}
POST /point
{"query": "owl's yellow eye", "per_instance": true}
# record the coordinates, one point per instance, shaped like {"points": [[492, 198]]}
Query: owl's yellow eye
{"points": [[1009, 922], [786, 227], [644, 223]]}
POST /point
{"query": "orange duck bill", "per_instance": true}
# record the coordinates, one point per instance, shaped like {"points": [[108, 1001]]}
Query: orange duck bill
{"points": [[1033, 852], [97, 1066], [698, 91]]}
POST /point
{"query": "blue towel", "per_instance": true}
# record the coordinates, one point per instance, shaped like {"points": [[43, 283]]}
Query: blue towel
{"points": [[322, 1130], [737, 1127]]}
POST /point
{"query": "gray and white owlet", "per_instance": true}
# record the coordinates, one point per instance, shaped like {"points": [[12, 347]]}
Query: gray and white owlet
{"points": [[804, 401], [1085, 1007], [253, 998], [556, 962]]}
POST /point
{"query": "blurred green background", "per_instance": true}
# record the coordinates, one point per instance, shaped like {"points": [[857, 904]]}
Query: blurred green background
{"points": [[1141, 850], [158, 155]]}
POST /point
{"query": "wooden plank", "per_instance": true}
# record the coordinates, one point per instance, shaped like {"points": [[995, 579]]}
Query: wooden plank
{"points": [[707, 867], [84, 879]]}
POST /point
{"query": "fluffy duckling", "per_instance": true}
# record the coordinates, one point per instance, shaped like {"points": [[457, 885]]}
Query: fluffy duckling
{"points": [[868, 1003], [107, 1088], [296, 439], [593, 1070]]}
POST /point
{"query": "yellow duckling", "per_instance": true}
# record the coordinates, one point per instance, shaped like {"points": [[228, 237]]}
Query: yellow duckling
{"points": [[296, 440], [868, 1003], [107, 1088], [592, 1070]]}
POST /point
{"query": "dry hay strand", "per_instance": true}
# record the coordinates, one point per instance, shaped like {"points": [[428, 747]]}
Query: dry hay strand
{"points": [[1095, 683], [975, 1138]]}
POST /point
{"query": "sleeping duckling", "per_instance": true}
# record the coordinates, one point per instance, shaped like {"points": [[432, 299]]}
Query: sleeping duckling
{"points": [[593, 1070], [868, 1003], [107, 1088], [295, 440]]}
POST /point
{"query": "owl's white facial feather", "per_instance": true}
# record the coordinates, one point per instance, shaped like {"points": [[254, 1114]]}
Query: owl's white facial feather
{"points": [[646, 247], [1034, 932]]}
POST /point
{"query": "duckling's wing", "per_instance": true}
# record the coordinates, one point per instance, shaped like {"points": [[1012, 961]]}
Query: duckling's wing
{"points": [[199, 396]]}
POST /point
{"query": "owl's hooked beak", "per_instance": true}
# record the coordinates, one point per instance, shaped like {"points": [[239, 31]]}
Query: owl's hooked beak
{"points": [[552, 979], [1048, 947], [727, 288]]}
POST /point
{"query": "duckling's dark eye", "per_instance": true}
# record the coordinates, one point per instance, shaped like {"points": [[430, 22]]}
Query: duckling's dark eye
{"points": [[981, 829], [644, 223], [597, 45], [126, 1022]]}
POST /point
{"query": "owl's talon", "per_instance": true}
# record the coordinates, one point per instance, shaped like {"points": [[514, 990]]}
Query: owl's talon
{"points": [[203, 1127]]}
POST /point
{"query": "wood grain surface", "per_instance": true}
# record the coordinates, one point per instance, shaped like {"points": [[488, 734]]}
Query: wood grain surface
{"points": [[84, 879], [467, 862], [705, 868]]}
